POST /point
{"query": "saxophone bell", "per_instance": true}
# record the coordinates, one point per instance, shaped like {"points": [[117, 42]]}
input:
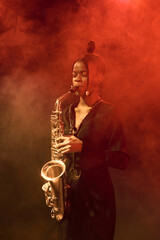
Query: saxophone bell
{"points": [[53, 173]]}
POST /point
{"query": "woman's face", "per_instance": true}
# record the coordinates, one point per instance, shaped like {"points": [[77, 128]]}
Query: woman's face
{"points": [[80, 77]]}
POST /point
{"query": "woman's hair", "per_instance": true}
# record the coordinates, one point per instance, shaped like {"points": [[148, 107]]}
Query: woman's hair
{"points": [[91, 58]]}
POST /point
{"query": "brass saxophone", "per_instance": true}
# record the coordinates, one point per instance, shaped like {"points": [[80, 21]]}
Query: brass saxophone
{"points": [[54, 171]]}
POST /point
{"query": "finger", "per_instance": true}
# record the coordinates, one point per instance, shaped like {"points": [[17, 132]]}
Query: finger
{"points": [[60, 145], [61, 139], [65, 149]]}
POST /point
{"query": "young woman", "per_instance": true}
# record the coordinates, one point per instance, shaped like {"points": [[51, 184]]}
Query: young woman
{"points": [[97, 142]]}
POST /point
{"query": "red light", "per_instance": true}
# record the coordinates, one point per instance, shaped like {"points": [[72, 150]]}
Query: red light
{"points": [[124, 1]]}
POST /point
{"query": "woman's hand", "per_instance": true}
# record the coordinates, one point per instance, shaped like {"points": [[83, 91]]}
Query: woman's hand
{"points": [[68, 144]]}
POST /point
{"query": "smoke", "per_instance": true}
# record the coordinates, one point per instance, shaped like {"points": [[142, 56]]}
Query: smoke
{"points": [[39, 42]]}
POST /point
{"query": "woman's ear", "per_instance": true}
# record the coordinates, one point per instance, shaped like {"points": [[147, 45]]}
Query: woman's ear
{"points": [[100, 78]]}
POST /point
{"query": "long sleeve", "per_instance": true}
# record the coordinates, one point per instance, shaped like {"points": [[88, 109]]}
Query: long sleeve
{"points": [[116, 154]]}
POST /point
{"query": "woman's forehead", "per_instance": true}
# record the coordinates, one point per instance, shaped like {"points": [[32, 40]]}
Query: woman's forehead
{"points": [[79, 66]]}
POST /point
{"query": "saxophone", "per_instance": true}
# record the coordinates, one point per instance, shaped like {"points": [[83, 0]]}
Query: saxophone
{"points": [[54, 171]]}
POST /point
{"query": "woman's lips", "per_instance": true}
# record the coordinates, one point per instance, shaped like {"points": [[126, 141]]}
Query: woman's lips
{"points": [[78, 87]]}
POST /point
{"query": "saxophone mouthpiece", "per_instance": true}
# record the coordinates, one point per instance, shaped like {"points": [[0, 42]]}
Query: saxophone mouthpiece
{"points": [[73, 89]]}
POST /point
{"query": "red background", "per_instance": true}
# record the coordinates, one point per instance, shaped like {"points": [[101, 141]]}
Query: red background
{"points": [[39, 40]]}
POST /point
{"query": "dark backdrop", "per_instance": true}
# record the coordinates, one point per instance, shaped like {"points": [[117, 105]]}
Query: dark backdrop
{"points": [[39, 40]]}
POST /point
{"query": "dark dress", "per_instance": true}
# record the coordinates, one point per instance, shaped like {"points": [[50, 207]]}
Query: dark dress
{"points": [[92, 215]]}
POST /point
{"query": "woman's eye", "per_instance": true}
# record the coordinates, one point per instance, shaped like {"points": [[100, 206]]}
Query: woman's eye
{"points": [[84, 74], [74, 74]]}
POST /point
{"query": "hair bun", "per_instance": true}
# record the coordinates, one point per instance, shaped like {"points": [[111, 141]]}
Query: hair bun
{"points": [[91, 47]]}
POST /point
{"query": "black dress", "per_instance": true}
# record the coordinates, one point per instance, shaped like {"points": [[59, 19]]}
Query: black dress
{"points": [[92, 215]]}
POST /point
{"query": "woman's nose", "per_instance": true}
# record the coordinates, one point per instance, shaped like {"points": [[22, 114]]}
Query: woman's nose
{"points": [[78, 78]]}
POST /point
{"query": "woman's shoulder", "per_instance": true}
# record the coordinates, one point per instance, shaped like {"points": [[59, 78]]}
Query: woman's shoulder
{"points": [[106, 106]]}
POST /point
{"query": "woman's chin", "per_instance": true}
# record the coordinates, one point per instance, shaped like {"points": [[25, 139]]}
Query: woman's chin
{"points": [[77, 93], [80, 92]]}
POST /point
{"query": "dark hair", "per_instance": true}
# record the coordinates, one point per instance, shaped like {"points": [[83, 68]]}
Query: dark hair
{"points": [[91, 58], [82, 59]]}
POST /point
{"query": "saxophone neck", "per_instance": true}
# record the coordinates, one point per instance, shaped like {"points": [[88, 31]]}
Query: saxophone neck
{"points": [[59, 100], [57, 105]]}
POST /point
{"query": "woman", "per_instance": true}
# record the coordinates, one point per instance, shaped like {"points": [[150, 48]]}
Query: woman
{"points": [[97, 142]]}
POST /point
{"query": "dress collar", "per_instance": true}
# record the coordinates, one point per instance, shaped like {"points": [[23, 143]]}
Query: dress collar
{"points": [[72, 129]]}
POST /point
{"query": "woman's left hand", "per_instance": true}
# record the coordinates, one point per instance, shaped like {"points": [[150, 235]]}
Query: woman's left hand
{"points": [[68, 144]]}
